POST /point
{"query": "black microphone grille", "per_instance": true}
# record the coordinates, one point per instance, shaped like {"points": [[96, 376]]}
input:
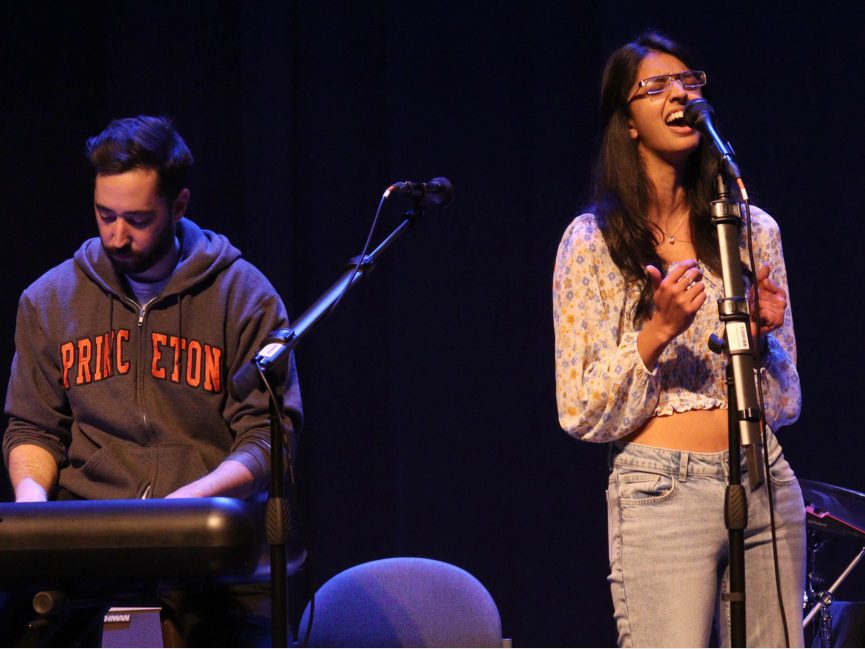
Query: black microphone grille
{"points": [[445, 193], [696, 112]]}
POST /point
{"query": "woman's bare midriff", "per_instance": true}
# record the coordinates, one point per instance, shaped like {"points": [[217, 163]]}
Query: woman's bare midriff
{"points": [[698, 431]]}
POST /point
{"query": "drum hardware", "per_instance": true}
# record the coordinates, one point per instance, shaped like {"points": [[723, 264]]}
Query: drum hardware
{"points": [[822, 600], [829, 510]]}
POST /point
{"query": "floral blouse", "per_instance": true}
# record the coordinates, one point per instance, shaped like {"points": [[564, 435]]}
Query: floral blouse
{"points": [[603, 388]]}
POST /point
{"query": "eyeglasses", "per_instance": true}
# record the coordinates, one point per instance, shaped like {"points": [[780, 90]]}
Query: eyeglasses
{"points": [[688, 79]]}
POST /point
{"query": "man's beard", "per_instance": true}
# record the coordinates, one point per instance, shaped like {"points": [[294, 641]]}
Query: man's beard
{"points": [[135, 262]]}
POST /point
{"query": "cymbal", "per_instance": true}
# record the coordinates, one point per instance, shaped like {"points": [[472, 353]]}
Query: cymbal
{"points": [[833, 509]]}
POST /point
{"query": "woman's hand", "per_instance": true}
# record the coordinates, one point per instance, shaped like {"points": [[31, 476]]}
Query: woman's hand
{"points": [[773, 303], [678, 297]]}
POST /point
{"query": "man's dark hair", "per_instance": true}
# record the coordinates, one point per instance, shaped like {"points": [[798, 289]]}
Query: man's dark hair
{"points": [[143, 142]]}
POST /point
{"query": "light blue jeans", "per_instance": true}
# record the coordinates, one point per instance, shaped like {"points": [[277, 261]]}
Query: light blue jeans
{"points": [[669, 549]]}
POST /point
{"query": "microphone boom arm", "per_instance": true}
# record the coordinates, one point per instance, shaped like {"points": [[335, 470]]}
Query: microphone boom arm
{"points": [[247, 378]]}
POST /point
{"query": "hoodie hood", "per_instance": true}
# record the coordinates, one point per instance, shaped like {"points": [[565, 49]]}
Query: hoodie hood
{"points": [[203, 254]]}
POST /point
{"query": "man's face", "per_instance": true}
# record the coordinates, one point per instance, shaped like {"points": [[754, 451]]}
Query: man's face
{"points": [[136, 225]]}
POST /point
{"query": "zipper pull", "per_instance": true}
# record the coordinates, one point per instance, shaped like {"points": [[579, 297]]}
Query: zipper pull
{"points": [[142, 310]]}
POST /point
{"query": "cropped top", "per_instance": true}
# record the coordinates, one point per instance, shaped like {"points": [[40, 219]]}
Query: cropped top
{"points": [[604, 390]]}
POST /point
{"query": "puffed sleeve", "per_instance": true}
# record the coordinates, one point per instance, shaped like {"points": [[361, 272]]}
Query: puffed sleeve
{"points": [[782, 394], [604, 390]]}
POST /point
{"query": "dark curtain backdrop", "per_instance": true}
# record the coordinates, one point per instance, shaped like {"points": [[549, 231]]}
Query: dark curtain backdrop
{"points": [[429, 396]]}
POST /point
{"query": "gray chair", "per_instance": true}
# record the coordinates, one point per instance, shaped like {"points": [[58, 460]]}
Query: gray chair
{"points": [[403, 602]]}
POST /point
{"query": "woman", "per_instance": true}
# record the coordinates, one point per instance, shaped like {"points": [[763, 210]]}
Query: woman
{"points": [[635, 290]]}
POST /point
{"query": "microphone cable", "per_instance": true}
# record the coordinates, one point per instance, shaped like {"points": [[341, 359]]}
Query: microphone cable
{"points": [[763, 435], [443, 196], [357, 266], [290, 469], [697, 115], [360, 258]]}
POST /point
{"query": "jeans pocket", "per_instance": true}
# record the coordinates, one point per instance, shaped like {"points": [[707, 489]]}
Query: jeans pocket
{"points": [[781, 473], [642, 488]]}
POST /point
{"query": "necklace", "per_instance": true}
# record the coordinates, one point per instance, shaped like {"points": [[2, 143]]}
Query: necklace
{"points": [[671, 236]]}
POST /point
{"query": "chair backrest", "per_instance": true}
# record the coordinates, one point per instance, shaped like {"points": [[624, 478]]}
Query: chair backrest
{"points": [[403, 602]]}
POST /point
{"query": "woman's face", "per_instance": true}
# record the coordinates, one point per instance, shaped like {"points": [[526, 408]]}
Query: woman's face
{"points": [[656, 120]]}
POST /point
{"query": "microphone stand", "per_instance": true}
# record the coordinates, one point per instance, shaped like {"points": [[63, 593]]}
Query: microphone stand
{"points": [[253, 375], [744, 414], [278, 523]]}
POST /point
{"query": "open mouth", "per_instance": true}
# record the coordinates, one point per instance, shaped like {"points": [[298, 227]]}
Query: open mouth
{"points": [[676, 118]]}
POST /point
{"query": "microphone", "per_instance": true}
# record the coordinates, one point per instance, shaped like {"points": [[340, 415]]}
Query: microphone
{"points": [[438, 191], [698, 115]]}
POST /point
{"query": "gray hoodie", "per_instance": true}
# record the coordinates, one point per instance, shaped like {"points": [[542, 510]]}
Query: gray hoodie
{"points": [[132, 400]]}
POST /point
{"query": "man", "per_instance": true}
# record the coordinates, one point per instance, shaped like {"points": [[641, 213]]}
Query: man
{"points": [[124, 352]]}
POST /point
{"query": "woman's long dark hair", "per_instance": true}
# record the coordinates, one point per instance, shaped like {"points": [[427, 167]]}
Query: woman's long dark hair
{"points": [[622, 191]]}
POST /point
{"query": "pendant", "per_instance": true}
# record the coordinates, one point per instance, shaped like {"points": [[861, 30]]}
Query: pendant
{"points": [[671, 240]]}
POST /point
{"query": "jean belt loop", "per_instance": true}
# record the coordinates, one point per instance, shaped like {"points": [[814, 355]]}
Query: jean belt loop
{"points": [[684, 456]]}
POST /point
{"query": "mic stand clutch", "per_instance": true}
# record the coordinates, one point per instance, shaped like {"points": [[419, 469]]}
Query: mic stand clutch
{"points": [[744, 413]]}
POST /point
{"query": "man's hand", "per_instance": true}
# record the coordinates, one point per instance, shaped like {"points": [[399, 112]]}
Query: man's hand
{"points": [[230, 479], [33, 473]]}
